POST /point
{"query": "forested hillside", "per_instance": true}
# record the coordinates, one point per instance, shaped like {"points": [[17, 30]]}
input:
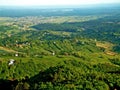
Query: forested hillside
{"points": [[73, 50]]}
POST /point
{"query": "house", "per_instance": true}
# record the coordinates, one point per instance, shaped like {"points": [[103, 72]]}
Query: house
{"points": [[16, 54], [53, 53], [11, 62]]}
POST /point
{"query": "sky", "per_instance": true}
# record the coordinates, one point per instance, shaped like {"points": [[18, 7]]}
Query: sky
{"points": [[54, 2]]}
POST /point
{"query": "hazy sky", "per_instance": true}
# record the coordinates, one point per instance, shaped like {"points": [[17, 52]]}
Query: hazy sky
{"points": [[55, 2]]}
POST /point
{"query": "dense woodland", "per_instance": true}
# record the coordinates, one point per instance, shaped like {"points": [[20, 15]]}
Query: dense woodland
{"points": [[75, 50]]}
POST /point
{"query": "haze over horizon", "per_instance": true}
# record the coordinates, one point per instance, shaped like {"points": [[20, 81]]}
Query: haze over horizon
{"points": [[54, 2]]}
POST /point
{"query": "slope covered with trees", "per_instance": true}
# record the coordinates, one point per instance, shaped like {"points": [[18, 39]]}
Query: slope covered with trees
{"points": [[71, 50]]}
